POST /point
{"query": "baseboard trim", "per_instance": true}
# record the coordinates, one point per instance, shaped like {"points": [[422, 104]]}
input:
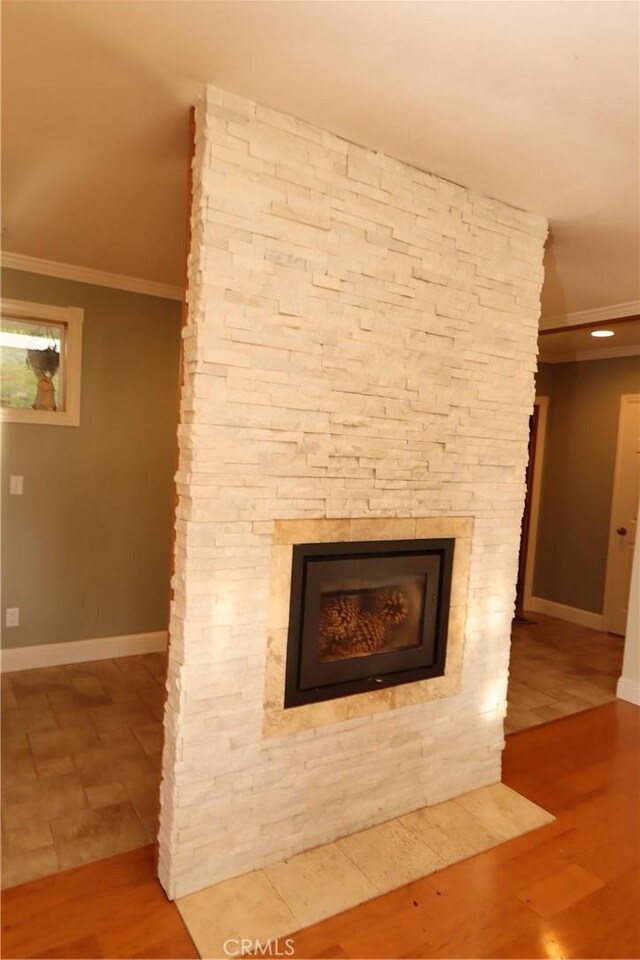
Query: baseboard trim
{"points": [[585, 618], [81, 651], [628, 690]]}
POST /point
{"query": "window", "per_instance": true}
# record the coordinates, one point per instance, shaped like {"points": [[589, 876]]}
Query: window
{"points": [[41, 363]]}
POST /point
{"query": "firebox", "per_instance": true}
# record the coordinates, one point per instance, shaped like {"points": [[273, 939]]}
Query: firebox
{"points": [[364, 616]]}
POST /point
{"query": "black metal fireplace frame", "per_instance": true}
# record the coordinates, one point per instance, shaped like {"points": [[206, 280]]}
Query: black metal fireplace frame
{"points": [[379, 678]]}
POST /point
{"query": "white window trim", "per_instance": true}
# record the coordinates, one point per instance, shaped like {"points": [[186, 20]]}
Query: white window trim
{"points": [[72, 318]]}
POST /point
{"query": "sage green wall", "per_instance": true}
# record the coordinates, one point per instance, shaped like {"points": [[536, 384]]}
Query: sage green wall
{"points": [[86, 548], [577, 486]]}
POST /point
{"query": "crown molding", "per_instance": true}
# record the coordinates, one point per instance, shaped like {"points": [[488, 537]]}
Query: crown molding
{"points": [[68, 271], [604, 353], [599, 315]]}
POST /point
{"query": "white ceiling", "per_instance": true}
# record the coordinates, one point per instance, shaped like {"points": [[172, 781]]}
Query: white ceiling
{"points": [[535, 103]]}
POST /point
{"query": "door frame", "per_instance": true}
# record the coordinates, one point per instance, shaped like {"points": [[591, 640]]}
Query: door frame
{"points": [[626, 401], [536, 492]]}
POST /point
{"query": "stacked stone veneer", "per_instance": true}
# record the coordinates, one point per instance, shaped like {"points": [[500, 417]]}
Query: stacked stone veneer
{"points": [[361, 342]]}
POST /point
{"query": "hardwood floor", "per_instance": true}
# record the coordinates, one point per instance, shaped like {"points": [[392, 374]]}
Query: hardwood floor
{"points": [[568, 890], [110, 908]]}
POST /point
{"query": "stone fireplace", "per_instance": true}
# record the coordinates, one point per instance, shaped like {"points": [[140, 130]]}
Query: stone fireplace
{"points": [[358, 377]]}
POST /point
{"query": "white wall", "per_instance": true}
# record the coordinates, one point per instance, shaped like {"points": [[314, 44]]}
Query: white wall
{"points": [[361, 342], [629, 682]]}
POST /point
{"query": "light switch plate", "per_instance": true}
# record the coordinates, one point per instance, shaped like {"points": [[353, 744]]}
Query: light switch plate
{"points": [[13, 617], [16, 485]]}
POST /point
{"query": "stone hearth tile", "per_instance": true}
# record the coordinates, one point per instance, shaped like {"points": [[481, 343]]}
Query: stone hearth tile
{"points": [[450, 831], [320, 883], [246, 907], [503, 811], [389, 855]]}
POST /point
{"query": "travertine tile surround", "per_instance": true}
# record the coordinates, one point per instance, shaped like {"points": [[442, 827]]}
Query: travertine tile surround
{"points": [[277, 720], [279, 900], [360, 343]]}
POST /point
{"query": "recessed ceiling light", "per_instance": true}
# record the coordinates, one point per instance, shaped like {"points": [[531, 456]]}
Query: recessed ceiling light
{"points": [[602, 333]]}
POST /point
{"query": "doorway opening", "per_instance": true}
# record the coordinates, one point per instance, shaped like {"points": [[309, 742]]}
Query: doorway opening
{"points": [[578, 530]]}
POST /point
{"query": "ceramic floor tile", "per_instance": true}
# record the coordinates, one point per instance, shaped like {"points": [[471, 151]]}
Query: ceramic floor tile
{"points": [[144, 794], [246, 907], [105, 795], [450, 831], [29, 866], [504, 812], [121, 743], [389, 855], [43, 680], [517, 719], [114, 716], [15, 843], [8, 700], [57, 769], [563, 708], [149, 736], [17, 767], [54, 768], [20, 816], [572, 668], [320, 883], [48, 745], [96, 766], [29, 720], [14, 741], [33, 701], [527, 697], [95, 834]]}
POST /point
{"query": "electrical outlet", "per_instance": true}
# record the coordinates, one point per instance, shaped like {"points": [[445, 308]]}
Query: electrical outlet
{"points": [[16, 486], [13, 616]]}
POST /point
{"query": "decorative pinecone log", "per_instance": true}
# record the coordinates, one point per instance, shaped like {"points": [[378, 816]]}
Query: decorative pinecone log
{"points": [[391, 607], [338, 619], [368, 635]]}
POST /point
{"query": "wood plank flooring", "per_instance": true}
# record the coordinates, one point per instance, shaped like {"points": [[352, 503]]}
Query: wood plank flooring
{"points": [[569, 890], [110, 908]]}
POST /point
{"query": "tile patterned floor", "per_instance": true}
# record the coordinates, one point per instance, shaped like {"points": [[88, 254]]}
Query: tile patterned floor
{"points": [[559, 668], [279, 900], [81, 749]]}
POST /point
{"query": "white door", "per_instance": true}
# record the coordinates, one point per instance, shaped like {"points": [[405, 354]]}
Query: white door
{"points": [[624, 516]]}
